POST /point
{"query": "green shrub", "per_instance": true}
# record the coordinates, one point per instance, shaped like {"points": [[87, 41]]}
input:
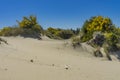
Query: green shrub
{"points": [[16, 31], [65, 34], [28, 27], [50, 35], [6, 31], [94, 24], [30, 23], [86, 37], [76, 41], [112, 40], [56, 33], [98, 23]]}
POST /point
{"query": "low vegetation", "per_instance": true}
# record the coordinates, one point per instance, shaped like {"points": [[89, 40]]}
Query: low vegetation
{"points": [[76, 42], [3, 41], [57, 33], [98, 31], [28, 27]]}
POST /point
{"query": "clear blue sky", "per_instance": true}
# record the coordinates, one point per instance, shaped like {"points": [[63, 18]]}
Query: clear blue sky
{"points": [[58, 13]]}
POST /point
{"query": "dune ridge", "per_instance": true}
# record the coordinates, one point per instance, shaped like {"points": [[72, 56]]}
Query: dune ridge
{"points": [[52, 60]]}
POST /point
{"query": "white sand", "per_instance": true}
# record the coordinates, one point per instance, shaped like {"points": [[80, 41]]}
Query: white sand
{"points": [[50, 58]]}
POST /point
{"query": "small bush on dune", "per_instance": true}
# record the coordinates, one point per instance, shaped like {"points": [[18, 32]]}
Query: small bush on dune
{"points": [[56, 33], [108, 37], [52, 33], [6, 31], [86, 37], [28, 27], [94, 24], [65, 34], [76, 41], [2, 40], [10, 31], [112, 40]]}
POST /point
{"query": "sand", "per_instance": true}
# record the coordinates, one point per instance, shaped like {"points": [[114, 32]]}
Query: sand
{"points": [[32, 59]]}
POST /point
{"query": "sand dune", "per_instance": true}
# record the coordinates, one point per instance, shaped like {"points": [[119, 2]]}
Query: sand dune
{"points": [[32, 59]]}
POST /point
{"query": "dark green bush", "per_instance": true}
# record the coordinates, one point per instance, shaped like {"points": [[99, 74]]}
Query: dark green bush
{"points": [[10, 31], [16, 31], [112, 40], [50, 35], [65, 34], [86, 37], [28, 27], [30, 23], [56, 33], [76, 41]]}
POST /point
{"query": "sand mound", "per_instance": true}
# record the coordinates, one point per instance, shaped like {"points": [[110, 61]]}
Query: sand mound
{"points": [[32, 59]]}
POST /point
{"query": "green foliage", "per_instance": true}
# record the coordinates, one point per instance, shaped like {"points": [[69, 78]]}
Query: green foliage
{"points": [[5, 30], [97, 23], [87, 37], [65, 34], [28, 27], [52, 33], [16, 31], [112, 39], [76, 42], [58, 33], [30, 23], [9, 31]]}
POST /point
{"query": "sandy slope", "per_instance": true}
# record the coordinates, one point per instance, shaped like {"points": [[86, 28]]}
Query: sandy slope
{"points": [[50, 58]]}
